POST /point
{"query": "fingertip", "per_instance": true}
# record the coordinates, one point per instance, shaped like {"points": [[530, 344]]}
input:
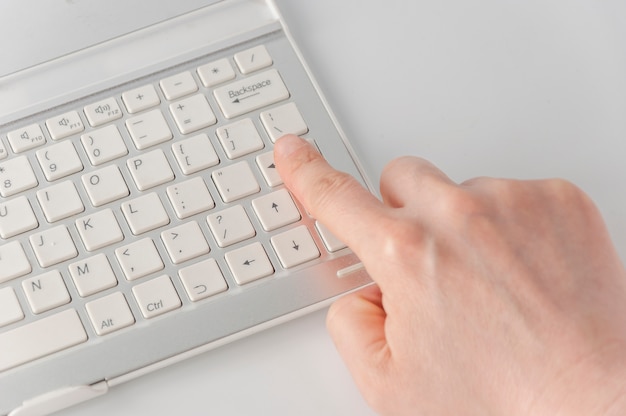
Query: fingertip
{"points": [[288, 144]]}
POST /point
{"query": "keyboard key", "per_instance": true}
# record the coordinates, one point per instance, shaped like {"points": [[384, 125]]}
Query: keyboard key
{"points": [[16, 217], [178, 85], [139, 259], [195, 154], [104, 145], [253, 59], [59, 160], [103, 112], [53, 246], [185, 242], [240, 138], [26, 138], [295, 247], [276, 210], [249, 263], [202, 280], [60, 201], [16, 175], [148, 129], [156, 297], [230, 226], [92, 275], [145, 213], [40, 338], [139, 99], [192, 114], [331, 242], [282, 120], [150, 169], [13, 261], [235, 182], [216, 72], [265, 162], [110, 313], [99, 229], [3, 151], [105, 185], [252, 93], [64, 125], [10, 309], [46, 292], [190, 197]]}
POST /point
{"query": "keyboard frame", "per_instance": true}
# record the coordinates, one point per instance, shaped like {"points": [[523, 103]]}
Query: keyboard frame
{"points": [[150, 344]]}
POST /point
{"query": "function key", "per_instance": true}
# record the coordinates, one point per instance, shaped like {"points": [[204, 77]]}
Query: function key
{"points": [[26, 138], [253, 59], [64, 125], [140, 99], [102, 112], [216, 72], [178, 85]]}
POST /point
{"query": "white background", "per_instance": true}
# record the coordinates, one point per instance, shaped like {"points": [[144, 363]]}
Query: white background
{"points": [[525, 89]]}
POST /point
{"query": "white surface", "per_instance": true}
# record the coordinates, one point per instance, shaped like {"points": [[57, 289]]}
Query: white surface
{"points": [[489, 87]]}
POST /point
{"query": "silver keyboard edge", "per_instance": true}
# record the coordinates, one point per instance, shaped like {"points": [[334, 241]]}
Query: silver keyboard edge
{"points": [[41, 87]]}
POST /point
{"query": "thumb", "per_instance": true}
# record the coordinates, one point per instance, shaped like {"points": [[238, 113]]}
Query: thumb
{"points": [[356, 322]]}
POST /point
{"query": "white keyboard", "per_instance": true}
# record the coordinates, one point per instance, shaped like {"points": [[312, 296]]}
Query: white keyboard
{"points": [[152, 177]]}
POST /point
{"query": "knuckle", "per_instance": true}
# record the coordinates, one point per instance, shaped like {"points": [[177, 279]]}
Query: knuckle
{"points": [[457, 205], [403, 241], [564, 190]]}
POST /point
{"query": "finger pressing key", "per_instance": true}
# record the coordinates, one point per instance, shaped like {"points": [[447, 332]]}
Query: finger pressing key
{"points": [[334, 198]]}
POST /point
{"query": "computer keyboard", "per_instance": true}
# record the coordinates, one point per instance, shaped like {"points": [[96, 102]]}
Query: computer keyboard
{"points": [[134, 206]]}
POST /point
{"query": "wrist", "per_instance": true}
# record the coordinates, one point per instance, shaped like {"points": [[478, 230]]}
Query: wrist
{"points": [[595, 385]]}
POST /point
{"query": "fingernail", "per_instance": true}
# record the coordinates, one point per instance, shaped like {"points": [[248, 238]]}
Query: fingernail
{"points": [[288, 144]]}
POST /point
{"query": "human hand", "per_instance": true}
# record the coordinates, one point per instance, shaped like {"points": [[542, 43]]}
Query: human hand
{"points": [[492, 297]]}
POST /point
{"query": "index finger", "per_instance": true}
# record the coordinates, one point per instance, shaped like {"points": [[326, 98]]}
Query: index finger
{"points": [[334, 198]]}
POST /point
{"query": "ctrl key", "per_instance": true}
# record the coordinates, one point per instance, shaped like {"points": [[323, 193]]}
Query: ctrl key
{"points": [[156, 297], [40, 338]]}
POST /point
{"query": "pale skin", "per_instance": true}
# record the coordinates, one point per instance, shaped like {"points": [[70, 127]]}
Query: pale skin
{"points": [[491, 297]]}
